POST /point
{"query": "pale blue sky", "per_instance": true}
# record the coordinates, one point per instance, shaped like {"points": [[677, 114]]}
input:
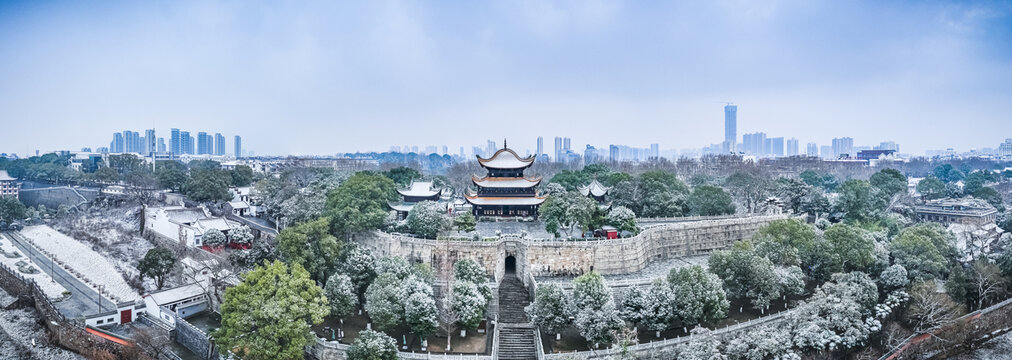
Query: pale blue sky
{"points": [[326, 77]]}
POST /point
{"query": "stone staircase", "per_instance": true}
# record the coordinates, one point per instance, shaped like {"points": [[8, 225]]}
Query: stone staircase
{"points": [[513, 297], [516, 333], [516, 342]]}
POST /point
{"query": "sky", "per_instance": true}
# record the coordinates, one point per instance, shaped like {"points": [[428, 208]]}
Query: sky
{"points": [[308, 77]]}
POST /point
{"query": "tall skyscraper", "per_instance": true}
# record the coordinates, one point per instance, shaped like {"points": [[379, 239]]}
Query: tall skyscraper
{"points": [[777, 146], [161, 145], [238, 147], [150, 142], [219, 144], [792, 147], [541, 146], [566, 145], [613, 154], [558, 149], [116, 146], [754, 144], [812, 149], [185, 142], [203, 146], [655, 151], [730, 128], [843, 146], [174, 142]]}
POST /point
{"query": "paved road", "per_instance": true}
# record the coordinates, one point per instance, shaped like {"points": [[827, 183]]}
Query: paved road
{"points": [[83, 300]]}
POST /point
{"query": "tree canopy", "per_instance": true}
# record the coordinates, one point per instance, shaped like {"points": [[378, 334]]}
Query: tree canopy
{"points": [[709, 200], [360, 203], [157, 264], [310, 245], [269, 313]]}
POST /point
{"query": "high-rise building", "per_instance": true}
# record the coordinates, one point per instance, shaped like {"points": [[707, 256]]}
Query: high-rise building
{"points": [[826, 152], [1005, 148], [590, 155], [238, 146], [174, 142], [777, 146], [888, 145], [130, 141], [161, 145], [730, 128], [558, 149], [565, 145], [446, 150], [541, 146], [843, 146], [150, 142], [203, 143], [655, 151], [754, 143], [116, 146], [185, 142], [613, 154], [812, 149], [792, 147], [219, 144]]}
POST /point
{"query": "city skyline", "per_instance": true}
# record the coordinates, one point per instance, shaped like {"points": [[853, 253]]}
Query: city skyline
{"points": [[313, 79]]}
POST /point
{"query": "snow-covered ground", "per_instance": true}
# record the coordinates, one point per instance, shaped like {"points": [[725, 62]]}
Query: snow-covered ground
{"points": [[52, 289], [21, 336], [86, 264], [112, 231], [997, 348]]}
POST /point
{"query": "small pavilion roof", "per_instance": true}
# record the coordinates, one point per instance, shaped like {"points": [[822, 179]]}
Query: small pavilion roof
{"points": [[595, 188], [506, 182], [4, 176], [401, 207], [505, 159], [420, 189], [486, 200]]}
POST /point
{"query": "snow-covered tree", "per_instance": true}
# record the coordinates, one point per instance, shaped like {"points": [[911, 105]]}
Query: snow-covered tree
{"points": [[261, 250], [341, 295], [213, 238], [566, 211], [893, 277], [469, 304], [838, 316], [385, 302], [791, 280], [746, 275], [311, 245], [590, 291], [633, 304], [622, 219], [359, 264], [428, 218], [464, 222], [659, 310], [698, 295], [599, 325], [702, 346], [553, 189], [551, 308], [157, 264], [241, 235], [420, 314], [470, 271], [761, 343], [373, 345], [395, 265]]}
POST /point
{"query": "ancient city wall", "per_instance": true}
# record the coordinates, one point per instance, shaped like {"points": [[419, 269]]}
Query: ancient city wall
{"points": [[53, 197], [550, 258]]}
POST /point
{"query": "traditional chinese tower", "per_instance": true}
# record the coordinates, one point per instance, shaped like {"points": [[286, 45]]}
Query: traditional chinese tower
{"points": [[505, 191]]}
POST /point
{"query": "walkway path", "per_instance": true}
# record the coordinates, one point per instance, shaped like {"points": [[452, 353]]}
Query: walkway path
{"points": [[516, 333], [83, 300]]}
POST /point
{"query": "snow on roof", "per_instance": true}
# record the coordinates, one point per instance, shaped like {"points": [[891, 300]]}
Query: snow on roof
{"points": [[244, 190], [5, 177], [238, 204], [505, 182], [185, 215], [483, 200], [420, 189], [176, 294], [505, 159], [403, 207], [595, 188], [221, 224]]}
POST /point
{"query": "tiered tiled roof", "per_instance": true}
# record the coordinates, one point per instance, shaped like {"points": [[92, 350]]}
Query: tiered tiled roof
{"points": [[506, 182], [504, 200], [505, 159]]}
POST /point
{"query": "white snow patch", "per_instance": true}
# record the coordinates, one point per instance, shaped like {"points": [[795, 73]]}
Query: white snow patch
{"points": [[52, 289], [80, 260]]}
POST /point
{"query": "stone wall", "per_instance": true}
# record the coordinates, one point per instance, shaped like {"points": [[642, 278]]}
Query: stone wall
{"points": [[552, 258], [53, 197], [194, 339]]}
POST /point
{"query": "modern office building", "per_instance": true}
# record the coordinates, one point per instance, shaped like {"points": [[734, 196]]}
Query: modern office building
{"points": [[792, 147], [730, 128], [655, 151], [1005, 148], [161, 145], [558, 149], [219, 144], [754, 143], [238, 147], [185, 143], [541, 146]]}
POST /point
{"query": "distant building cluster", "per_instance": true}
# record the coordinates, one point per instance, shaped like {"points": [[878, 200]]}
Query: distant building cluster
{"points": [[180, 143]]}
